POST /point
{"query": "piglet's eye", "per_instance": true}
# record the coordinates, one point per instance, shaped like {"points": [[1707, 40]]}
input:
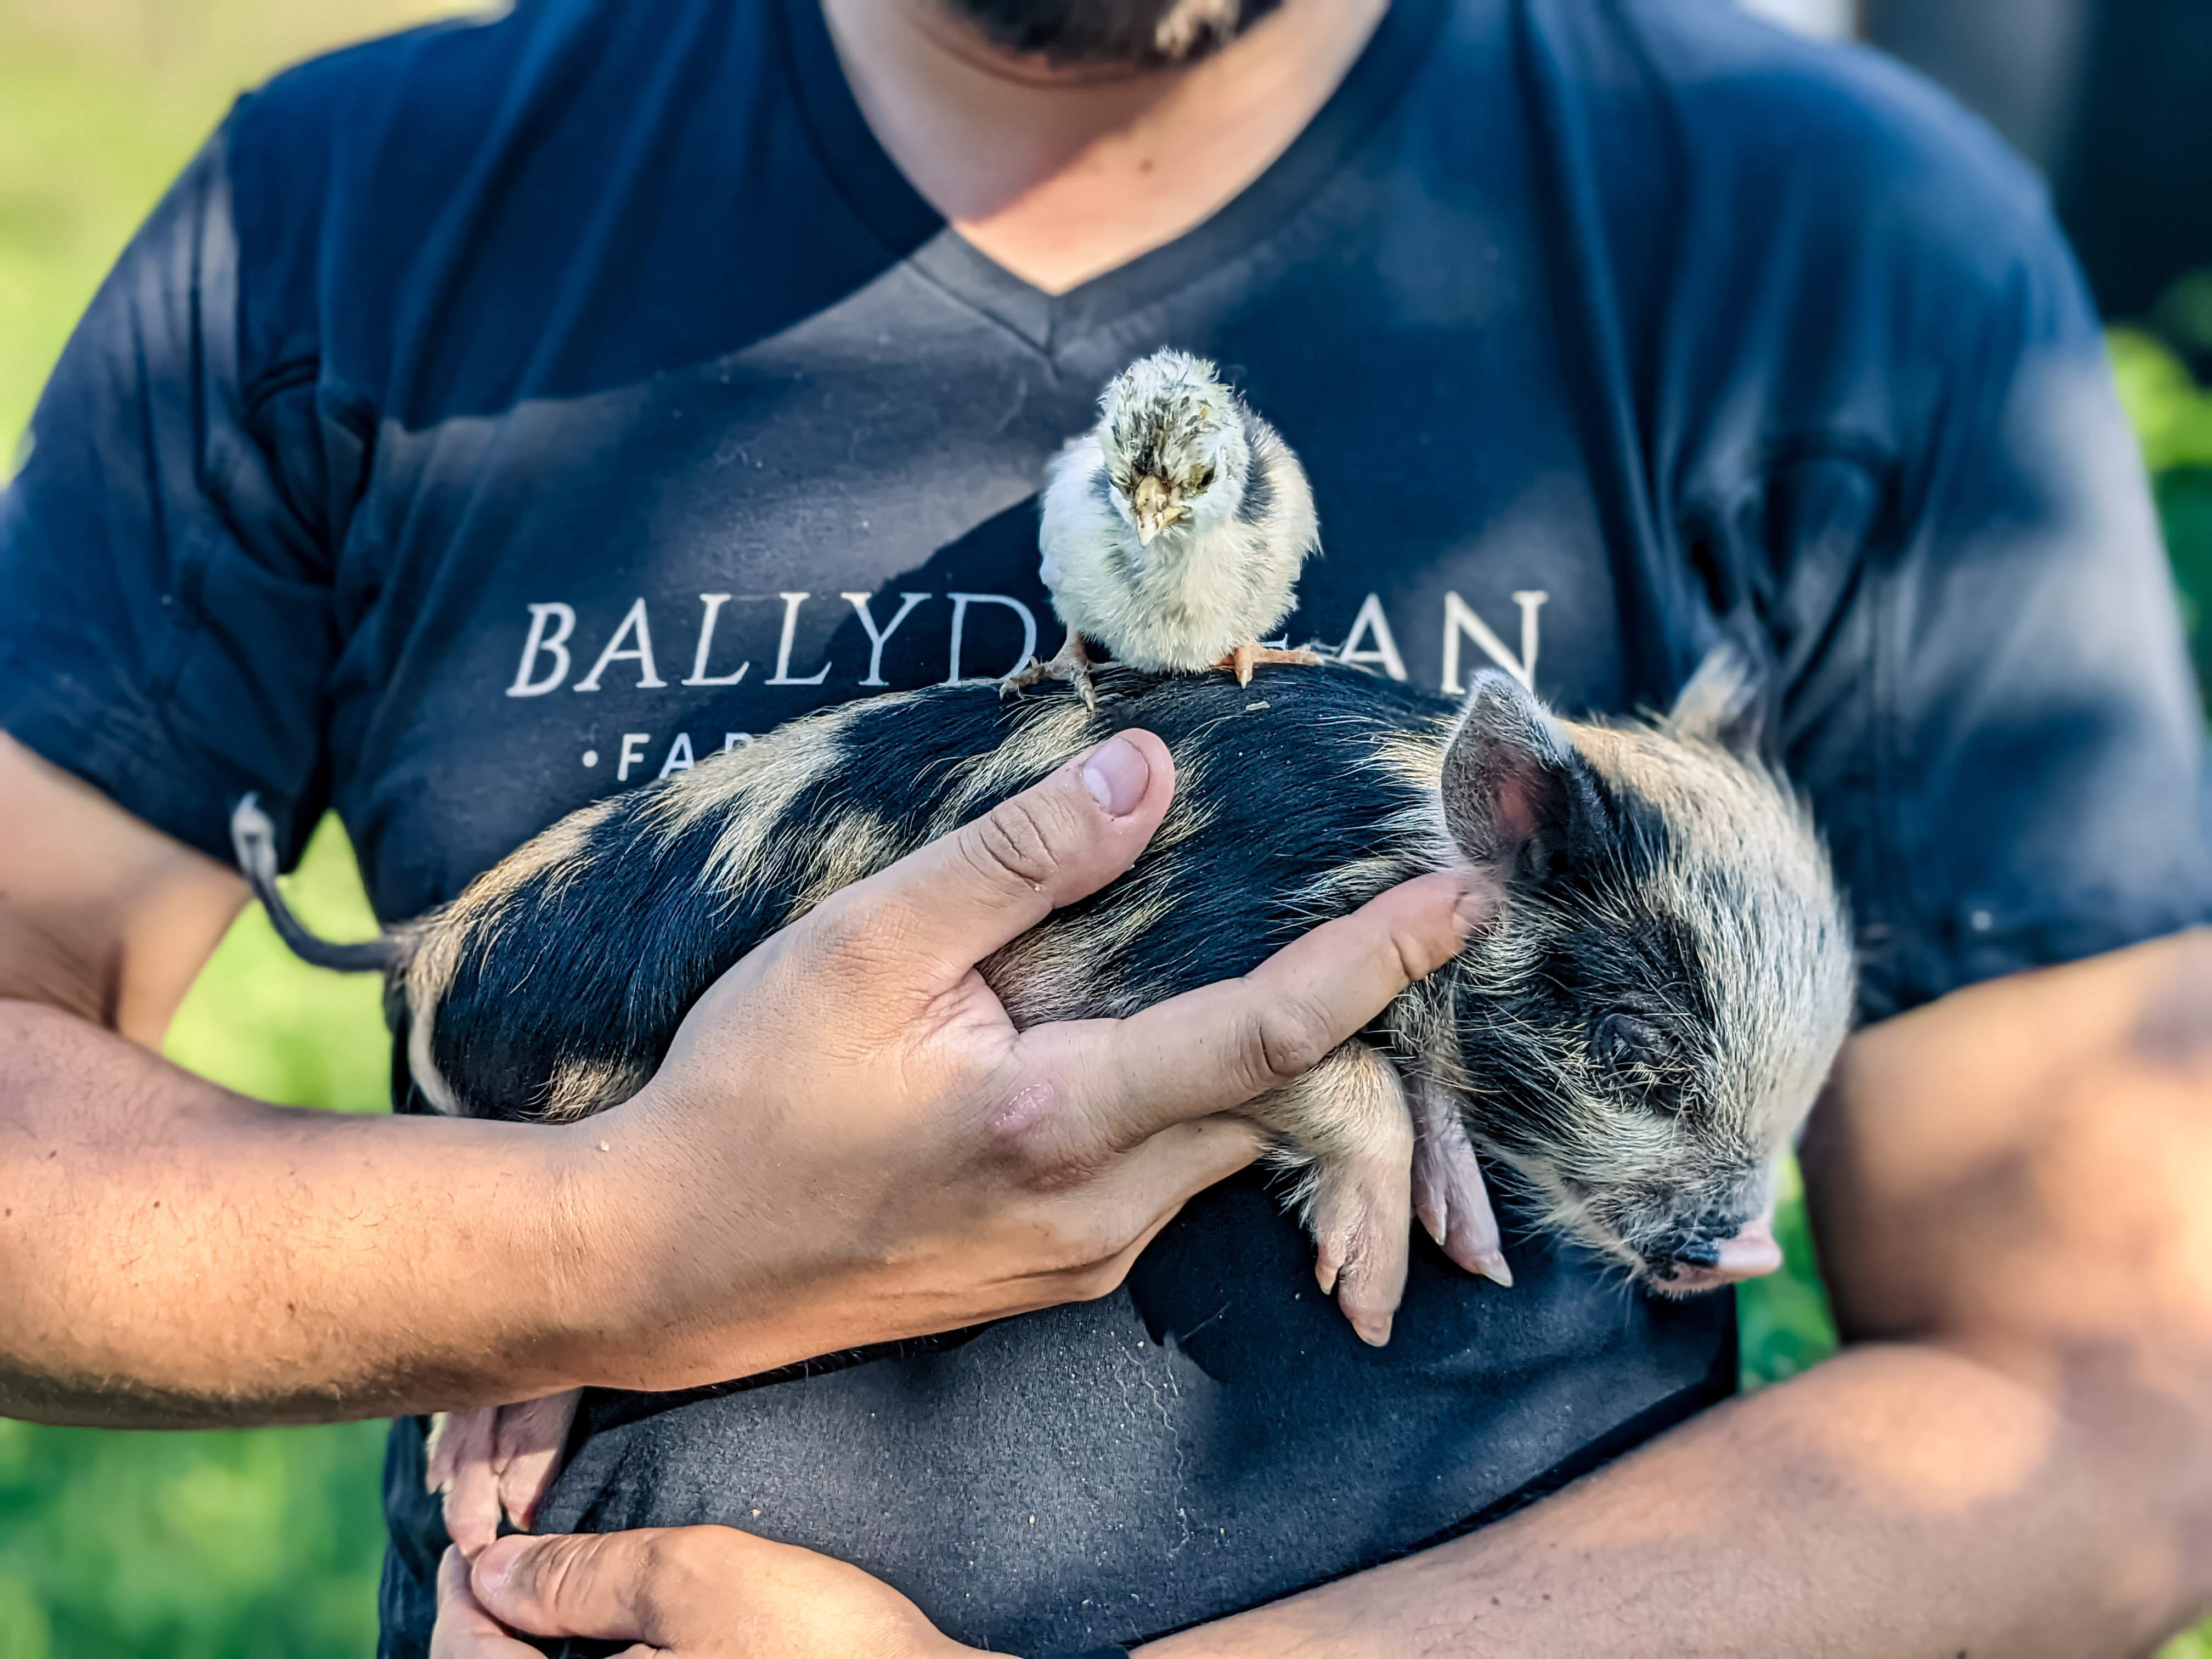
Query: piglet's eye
{"points": [[1621, 1042]]}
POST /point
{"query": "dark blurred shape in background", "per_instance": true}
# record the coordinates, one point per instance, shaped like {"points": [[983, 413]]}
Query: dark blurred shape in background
{"points": [[2134, 177], [2018, 62], [2112, 99]]}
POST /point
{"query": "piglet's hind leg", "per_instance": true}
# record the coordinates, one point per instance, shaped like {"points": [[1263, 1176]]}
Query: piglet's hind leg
{"points": [[1347, 1123], [497, 1461]]}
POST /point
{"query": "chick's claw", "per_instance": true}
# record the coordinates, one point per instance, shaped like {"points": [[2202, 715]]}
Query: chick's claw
{"points": [[1072, 663], [1240, 661]]}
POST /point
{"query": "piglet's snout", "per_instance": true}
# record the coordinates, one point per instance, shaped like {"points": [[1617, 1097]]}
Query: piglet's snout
{"points": [[1750, 1254]]}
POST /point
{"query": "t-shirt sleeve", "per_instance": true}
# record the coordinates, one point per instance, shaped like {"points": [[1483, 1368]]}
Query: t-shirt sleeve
{"points": [[1988, 692], [166, 623]]}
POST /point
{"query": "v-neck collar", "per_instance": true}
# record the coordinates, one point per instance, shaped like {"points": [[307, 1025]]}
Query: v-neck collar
{"points": [[884, 200]]}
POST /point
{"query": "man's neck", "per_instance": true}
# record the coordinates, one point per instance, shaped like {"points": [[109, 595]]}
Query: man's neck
{"points": [[1061, 173]]}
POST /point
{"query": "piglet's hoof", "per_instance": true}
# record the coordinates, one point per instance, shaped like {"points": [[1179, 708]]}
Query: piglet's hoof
{"points": [[497, 1461], [1360, 1236]]}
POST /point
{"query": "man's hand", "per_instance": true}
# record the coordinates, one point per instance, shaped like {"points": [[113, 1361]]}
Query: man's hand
{"points": [[849, 1136], [848, 1142], [854, 1091], [678, 1593]]}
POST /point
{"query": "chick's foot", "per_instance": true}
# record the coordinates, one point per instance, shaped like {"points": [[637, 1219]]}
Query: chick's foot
{"points": [[1240, 661], [1072, 663]]}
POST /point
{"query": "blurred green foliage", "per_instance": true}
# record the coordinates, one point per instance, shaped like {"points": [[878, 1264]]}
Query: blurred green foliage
{"points": [[237, 1546], [1783, 1320], [261, 1545], [2172, 414], [248, 1545]]}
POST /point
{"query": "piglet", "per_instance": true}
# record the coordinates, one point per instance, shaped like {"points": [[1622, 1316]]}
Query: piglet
{"points": [[1631, 1045]]}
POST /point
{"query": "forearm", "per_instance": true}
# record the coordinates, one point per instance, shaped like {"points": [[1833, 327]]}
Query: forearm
{"points": [[1896, 1502], [172, 1254], [2009, 1186]]}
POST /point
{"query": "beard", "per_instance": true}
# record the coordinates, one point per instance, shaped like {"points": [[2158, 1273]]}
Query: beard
{"points": [[1145, 33]]}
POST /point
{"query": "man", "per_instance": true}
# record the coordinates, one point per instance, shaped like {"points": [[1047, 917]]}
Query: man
{"points": [[475, 386]]}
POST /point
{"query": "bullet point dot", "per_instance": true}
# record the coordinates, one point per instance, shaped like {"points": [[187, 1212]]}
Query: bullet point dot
{"points": [[590, 757]]}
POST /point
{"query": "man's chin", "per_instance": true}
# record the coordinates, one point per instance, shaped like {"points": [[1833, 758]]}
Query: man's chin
{"points": [[1144, 33]]}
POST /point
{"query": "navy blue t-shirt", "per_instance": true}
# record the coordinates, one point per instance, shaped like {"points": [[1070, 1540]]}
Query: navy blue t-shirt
{"points": [[501, 414]]}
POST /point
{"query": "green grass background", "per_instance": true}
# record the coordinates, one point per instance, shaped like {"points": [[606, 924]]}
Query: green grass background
{"points": [[242, 1545]]}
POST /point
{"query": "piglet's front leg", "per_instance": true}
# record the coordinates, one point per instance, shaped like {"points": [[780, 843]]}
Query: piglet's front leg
{"points": [[1344, 1123], [495, 1460], [1449, 1195]]}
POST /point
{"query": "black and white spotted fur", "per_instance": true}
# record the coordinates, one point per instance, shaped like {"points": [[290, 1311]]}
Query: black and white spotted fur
{"points": [[1633, 1043]]}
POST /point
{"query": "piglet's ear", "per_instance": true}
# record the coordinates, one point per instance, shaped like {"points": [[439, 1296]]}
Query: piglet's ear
{"points": [[1509, 775], [1726, 703]]}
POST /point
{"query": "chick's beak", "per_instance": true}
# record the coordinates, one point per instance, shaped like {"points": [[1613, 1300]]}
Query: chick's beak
{"points": [[1151, 505]]}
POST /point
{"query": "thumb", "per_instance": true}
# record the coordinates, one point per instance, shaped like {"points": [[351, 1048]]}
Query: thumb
{"points": [[591, 1584], [464, 1629], [943, 908]]}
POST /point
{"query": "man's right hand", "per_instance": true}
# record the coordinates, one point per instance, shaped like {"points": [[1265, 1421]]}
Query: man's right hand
{"points": [[849, 1143]]}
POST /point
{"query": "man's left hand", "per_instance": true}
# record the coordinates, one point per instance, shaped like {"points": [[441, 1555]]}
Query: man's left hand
{"points": [[677, 1593]]}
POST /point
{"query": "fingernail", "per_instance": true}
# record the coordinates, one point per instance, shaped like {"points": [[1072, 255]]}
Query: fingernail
{"points": [[1117, 775], [1477, 907], [493, 1569]]}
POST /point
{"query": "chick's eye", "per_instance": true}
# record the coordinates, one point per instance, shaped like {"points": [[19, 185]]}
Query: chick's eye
{"points": [[1621, 1042]]}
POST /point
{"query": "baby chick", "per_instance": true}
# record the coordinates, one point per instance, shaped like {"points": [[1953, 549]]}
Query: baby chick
{"points": [[1173, 530]]}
